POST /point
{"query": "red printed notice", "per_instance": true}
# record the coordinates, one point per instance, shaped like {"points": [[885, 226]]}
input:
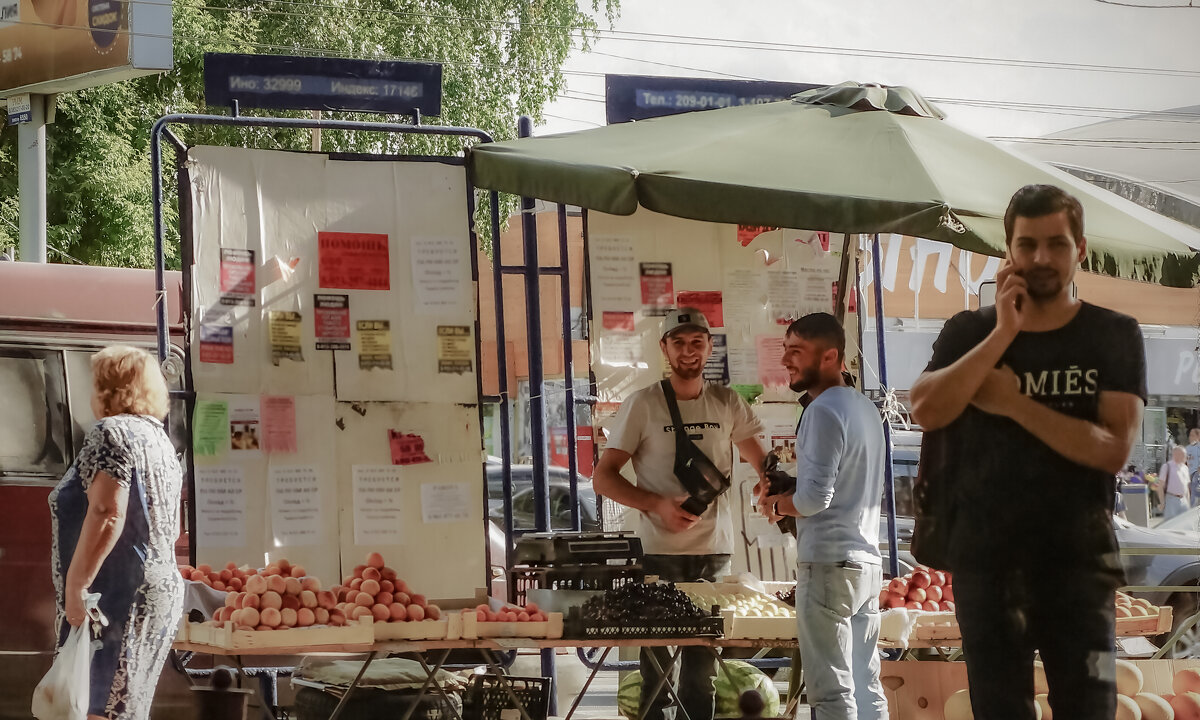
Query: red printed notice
{"points": [[707, 302], [353, 261]]}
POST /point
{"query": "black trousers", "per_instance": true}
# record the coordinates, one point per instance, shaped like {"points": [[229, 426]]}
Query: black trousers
{"points": [[1065, 614], [692, 677]]}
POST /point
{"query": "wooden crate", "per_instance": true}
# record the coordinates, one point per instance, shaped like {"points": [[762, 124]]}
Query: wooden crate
{"points": [[745, 626], [1156, 624], [741, 627], [225, 637], [918, 690], [472, 629], [942, 627], [419, 630]]}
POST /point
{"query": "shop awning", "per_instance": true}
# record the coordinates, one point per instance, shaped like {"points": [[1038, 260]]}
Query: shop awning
{"points": [[848, 159]]}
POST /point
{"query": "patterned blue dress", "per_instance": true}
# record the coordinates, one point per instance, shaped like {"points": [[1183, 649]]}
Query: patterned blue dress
{"points": [[141, 592]]}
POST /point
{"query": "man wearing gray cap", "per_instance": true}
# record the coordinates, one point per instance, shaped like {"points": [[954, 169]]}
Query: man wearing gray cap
{"points": [[686, 536]]}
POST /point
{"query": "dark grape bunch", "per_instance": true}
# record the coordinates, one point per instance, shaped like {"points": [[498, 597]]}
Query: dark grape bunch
{"points": [[788, 597], [638, 602]]}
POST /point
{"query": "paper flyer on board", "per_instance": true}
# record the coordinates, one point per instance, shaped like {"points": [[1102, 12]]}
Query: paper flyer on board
{"points": [[716, 368], [614, 273], [744, 294], [279, 424], [707, 302], [658, 289], [445, 502], [817, 289], [210, 428], [285, 334], [220, 506], [216, 344], [374, 344], [245, 423], [353, 261], [331, 321], [784, 291], [295, 505], [439, 273], [456, 351], [620, 349], [378, 505], [770, 360], [237, 277]]}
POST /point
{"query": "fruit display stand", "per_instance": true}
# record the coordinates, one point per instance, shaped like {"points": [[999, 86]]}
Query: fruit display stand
{"points": [[940, 629], [747, 613], [472, 628], [355, 636]]}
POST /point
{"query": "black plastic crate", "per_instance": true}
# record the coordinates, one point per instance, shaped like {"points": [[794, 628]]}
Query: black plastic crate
{"points": [[486, 698], [576, 626], [572, 577]]}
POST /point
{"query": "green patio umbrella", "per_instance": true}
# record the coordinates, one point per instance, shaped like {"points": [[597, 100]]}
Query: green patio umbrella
{"points": [[848, 158]]}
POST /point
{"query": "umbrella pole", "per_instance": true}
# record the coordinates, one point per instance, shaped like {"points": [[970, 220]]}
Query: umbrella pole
{"points": [[889, 487]]}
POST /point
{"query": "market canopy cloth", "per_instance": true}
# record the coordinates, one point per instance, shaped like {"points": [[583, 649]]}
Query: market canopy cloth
{"points": [[847, 158]]}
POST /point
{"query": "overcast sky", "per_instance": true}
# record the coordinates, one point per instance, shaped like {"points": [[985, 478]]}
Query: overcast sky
{"points": [[1123, 58]]}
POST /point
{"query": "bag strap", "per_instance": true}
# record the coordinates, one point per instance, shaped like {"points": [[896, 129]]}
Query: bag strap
{"points": [[681, 437]]}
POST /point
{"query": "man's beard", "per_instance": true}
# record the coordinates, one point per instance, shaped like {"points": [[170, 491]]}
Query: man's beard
{"points": [[1042, 286], [687, 373], [808, 378]]}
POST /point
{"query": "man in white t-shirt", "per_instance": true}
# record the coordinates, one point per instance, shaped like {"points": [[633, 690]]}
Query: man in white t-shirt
{"points": [[678, 545]]}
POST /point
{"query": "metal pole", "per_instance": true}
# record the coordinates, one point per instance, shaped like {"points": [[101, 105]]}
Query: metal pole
{"points": [[889, 487], [31, 165], [537, 389], [564, 283]]}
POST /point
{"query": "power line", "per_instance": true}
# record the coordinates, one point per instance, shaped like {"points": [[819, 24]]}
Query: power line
{"points": [[1147, 7], [1133, 145], [707, 41]]}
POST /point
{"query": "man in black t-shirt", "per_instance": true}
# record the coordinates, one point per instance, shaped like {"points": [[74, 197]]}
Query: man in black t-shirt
{"points": [[1042, 394]]}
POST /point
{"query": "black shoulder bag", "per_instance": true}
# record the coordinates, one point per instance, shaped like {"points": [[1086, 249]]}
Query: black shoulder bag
{"points": [[933, 501], [700, 477]]}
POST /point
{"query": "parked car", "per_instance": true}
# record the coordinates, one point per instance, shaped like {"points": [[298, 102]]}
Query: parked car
{"points": [[523, 497]]}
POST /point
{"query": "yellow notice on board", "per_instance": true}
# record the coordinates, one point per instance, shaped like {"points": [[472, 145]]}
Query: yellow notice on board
{"points": [[374, 344], [284, 332], [454, 349]]}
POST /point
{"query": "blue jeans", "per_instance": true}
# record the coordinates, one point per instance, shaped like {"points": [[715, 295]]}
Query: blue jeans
{"points": [[837, 609], [1173, 506], [693, 674]]}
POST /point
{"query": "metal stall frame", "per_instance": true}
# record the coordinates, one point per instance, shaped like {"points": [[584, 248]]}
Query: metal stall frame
{"points": [[161, 130], [530, 270]]}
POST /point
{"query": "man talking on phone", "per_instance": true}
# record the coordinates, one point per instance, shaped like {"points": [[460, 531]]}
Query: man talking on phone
{"points": [[1042, 394]]}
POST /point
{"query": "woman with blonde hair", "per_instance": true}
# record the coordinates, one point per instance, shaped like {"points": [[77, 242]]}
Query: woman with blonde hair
{"points": [[115, 519]]}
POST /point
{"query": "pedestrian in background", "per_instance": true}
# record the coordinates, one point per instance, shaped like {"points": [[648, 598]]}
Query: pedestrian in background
{"points": [[1175, 479], [1193, 462], [115, 518]]}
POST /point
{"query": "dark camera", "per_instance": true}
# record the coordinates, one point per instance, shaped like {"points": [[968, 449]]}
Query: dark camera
{"points": [[779, 482]]}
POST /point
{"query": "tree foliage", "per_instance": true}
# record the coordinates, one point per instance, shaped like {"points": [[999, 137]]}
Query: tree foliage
{"points": [[501, 59]]}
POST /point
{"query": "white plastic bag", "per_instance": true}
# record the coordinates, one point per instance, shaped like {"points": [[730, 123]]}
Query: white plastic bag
{"points": [[63, 692]]}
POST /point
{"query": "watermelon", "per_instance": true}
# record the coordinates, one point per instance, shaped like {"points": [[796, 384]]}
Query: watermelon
{"points": [[733, 678]]}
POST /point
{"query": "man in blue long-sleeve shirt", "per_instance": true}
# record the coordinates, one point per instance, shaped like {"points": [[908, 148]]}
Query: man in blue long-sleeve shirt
{"points": [[839, 483]]}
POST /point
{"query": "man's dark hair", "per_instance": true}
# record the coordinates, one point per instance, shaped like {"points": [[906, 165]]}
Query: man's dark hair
{"points": [[820, 326], [1034, 201]]}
